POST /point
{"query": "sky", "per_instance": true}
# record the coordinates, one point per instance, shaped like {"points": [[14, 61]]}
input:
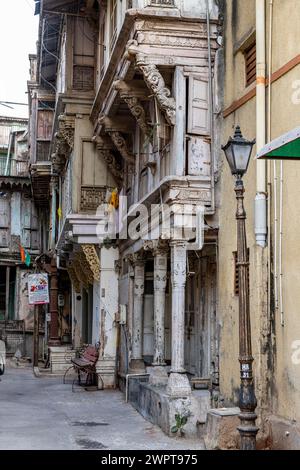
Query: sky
{"points": [[18, 37]]}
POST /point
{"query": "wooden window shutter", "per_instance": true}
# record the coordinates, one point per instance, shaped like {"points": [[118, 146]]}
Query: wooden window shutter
{"points": [[198, 107], [250, 64], [26, 221], [45, 124], [4, 220], [34, 228], [83, 55]]}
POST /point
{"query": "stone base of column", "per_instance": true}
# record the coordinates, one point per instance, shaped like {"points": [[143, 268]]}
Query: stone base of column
{"points": [[137, 366], [54, 342], [106, 371], [178, 385], [157, 375]]}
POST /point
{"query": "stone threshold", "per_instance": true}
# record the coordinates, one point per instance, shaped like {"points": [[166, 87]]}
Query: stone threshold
{"points": [[156, 406]]}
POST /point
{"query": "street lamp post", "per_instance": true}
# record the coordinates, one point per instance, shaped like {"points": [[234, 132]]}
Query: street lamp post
{"points": [[238, 151]]}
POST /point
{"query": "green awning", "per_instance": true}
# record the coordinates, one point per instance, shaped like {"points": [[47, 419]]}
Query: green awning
{"points": [[286, 147]]}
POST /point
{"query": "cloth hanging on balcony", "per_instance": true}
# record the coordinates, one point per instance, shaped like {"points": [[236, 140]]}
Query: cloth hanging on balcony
{"points": [[25, 256], [114, 200], [22, 253]]}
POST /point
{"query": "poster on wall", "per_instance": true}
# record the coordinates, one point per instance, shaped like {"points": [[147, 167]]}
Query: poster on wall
{"points": [[38, 289]]}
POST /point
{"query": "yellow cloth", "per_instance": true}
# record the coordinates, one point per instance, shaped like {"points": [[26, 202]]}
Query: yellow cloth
{"points": [[114, 199]]}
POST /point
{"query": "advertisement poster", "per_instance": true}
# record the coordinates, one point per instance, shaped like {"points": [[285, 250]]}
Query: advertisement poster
{"points": [[38, 291]]}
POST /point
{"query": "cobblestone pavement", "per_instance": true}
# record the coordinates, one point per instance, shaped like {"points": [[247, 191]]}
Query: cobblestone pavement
{"points": [[42, 413]]}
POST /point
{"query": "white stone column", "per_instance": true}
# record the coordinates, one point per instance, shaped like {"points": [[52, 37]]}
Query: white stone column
{"points": [[178, 383], [160, 284], [108, 308], [137, 363]]}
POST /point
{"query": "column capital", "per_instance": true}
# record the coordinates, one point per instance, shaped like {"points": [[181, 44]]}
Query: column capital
{"points": [[136, 259], [156, 246]]}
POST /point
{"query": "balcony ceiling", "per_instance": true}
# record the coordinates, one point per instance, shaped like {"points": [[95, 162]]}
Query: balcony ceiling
{"points": [[63, 6], [50, 32]]}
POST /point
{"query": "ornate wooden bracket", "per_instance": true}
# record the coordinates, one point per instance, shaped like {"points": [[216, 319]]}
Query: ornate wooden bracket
{"points": [[121, 145], [156, 246], [83, 268], [105, 152], [137, 258], [92, 259], [131, 98], [79, 273], [156, 83], [114, 129], [64, 145]]}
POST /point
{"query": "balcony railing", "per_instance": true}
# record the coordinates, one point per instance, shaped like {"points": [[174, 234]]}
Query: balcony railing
{"points": [[163, 3], [42, 151], [2, 164], [15, 168], [92, 197]]}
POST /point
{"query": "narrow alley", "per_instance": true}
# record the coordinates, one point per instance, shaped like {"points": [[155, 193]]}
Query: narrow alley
{"points": [[44, 414]]}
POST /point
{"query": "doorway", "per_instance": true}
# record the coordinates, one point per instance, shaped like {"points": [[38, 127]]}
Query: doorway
{"points": [[87, 315], [201, 333], [7, 292]]}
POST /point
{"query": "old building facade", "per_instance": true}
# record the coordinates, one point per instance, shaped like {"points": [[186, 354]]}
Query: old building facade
{"points": [[122, 96], [19, 228], [260, 94], [130, 102]]}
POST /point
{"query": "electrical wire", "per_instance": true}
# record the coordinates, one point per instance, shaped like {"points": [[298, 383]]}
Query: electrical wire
{"points": [[45, 80]]}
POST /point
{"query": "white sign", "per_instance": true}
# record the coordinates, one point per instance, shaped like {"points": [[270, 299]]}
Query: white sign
{"points": [[38, 290]]}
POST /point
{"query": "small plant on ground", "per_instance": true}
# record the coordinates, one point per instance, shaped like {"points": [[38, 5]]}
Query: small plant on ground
{"points": [[180, 421]]}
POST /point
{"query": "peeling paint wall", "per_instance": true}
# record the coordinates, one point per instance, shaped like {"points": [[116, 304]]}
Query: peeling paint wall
{"points": [[25, 311], [276, 348]]}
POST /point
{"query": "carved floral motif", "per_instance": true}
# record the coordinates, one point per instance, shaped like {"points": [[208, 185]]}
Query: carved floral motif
{"points": [[156, 83], [64, 143], [92, 259], [121, 145], [138, 112]]}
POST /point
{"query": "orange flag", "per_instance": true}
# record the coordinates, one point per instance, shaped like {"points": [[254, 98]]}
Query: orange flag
{"points": [[22, 252]]}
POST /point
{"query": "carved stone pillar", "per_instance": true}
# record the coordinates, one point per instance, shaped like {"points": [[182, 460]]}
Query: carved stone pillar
{"points": [[178, 383], [137, 363], [107, 327], [160, 284]]}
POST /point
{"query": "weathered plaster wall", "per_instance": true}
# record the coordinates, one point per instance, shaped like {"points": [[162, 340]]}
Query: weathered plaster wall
{"points": [[87, 167], [277, 364], [25, 311]]}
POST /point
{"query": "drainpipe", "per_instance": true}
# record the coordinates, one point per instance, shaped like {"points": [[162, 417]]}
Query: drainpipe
{"points": [[7, 165], [211, 96], [260, 199]]}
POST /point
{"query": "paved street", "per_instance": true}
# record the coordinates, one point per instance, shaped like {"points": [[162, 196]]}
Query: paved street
{"points": [[42, 413]]}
